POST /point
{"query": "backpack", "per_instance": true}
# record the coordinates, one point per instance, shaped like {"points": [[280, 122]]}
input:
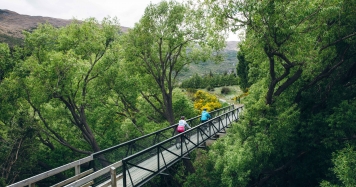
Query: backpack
{"points": [[180, 128]]}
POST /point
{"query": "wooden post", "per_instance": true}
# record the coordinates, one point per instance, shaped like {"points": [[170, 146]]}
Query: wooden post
{"points": [[32, 185], [113, 177], [77, 169]]}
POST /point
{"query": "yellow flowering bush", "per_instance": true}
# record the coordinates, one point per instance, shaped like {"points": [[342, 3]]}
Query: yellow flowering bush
{"points": [[203, 100]]}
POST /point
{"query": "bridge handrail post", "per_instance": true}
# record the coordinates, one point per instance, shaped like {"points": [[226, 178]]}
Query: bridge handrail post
{"points": [[219, 127], [198, 132], [181, 143], [77, 169], [124, 173], [113, 176], [157, 158]]}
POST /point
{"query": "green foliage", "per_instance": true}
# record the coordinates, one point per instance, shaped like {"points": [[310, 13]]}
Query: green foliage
{"points": [[182, 105], [56, 93], [298, 111], [17, 130], [205, 174], [67, 93], [225, 90], [70, 88], [209, 88], [194, 82], [7, 60], [242, 71], [168, 37], [63, 85], [344, 168]]}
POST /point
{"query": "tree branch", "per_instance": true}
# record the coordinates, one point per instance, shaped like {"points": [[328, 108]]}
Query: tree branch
{"points": [[288, 82], [149, 101], [325, 73], [337, 41]]}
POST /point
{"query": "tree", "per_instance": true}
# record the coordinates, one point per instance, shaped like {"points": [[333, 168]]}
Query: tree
{"points": [[6, 63], [242, 71], [169, 36], [344, 168], [61, 79], [302, 67], [17, 132]]}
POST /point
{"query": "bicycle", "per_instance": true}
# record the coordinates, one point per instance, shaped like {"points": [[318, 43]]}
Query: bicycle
{"points": [[205, 127], [179, 141]]}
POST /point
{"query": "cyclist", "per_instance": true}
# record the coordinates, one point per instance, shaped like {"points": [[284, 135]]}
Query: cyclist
{"points": [[205, 116], [182, 124], [181, 128]]}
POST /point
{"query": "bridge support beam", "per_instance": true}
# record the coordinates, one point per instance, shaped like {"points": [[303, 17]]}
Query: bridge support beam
{"points": [[202, 146]]}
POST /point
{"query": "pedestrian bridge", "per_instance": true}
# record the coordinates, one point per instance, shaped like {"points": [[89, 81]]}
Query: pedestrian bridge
{"points": [[135, 162]]}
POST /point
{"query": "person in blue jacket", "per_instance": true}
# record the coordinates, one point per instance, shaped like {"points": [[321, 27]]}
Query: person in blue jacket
{"points": [[205, 116]]}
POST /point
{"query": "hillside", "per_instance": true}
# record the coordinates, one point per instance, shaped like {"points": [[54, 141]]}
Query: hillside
{"points": [[202, 68], [227, 65], [12, 24]]}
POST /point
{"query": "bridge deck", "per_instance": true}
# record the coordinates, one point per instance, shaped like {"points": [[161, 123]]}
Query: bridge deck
{"points": [[168, 157]]}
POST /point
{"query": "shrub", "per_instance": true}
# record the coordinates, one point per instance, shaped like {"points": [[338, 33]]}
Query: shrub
{"points": [[210, 88], [225, 90], [191, 90], [205, 100]]}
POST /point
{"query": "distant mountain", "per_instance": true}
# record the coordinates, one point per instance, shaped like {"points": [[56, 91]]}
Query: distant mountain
{"points": [[12, 24]]}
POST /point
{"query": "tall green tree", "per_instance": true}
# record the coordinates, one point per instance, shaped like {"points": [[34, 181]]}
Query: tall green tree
{"points": [[62, 80], [242, 71], [17, 130], [169, 36], [302, 64], [6, 62]]}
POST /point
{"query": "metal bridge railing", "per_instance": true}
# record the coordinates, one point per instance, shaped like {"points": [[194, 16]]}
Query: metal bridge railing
{"points": [[113, 154], [144, 165]]}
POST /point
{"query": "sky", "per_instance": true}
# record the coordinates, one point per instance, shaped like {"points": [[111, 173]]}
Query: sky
{"points": [[128, 12]]}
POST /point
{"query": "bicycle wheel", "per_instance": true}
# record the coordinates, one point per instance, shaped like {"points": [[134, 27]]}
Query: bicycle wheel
{"points": [[178, 142]]}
